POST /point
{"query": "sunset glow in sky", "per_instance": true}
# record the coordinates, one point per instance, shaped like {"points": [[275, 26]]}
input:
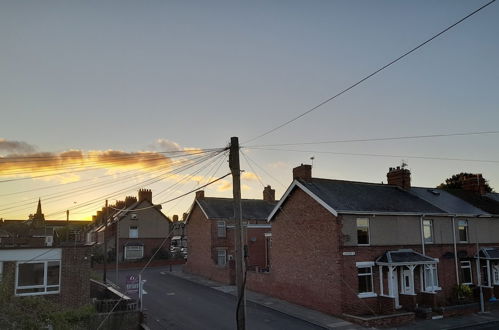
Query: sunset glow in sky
{"points": [[99, 99]]}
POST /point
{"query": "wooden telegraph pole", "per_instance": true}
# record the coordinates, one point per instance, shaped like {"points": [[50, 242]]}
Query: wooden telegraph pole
{"points": [[240, 264]]}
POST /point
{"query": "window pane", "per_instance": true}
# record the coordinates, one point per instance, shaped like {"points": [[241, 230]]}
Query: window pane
{"points": [[428, 231], [463, 234], [362, 236], [33, 290], [362, 222], [365, 282], [53, 272], [31, 274]]}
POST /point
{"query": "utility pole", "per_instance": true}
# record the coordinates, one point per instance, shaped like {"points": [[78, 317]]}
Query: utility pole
{"points": [[105, 245], [240, 264]]}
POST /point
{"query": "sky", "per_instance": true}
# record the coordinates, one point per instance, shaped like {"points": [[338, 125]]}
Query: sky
{"points": [[157, 82]]}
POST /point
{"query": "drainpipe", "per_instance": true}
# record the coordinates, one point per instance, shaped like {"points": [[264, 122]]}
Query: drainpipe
{"points": [[478, 272], [455, 246], [422, 233]]}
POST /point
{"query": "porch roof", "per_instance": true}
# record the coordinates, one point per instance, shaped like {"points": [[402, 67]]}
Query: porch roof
{"points": [[404, 257], [489, 253]]}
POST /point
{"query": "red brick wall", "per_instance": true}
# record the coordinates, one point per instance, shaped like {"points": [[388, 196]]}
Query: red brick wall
{"points": [[256, 247], [75, 276], [306, 264], [200, 260]]}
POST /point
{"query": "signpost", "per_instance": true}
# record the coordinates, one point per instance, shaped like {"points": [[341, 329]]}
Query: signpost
{"points": [[132, 284]]}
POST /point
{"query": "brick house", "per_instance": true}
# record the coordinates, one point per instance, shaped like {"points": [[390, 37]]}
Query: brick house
{"points": [[357, 248], [210, 229], [61, 274], [140, 224]]}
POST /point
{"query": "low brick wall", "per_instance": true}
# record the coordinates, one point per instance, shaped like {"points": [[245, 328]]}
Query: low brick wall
{"points": [[408, 301], [386, 305], [382, 321], [448, 311], [427, 299]]}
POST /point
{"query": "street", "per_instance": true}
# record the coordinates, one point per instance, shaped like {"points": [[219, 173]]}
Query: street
{"points": [[174, 303]]}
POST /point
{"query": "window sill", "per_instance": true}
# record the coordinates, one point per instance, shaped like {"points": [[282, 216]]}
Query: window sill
{"points": [[37, 293], [367, 295]]}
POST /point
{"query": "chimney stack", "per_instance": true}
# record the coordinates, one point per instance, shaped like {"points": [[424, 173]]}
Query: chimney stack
{"points": [[120, 204], [184, 216], [200, 194], [145, 195], [475, 183], [269, 194], [303, 172], [399, 177], [130, 200], [175, 218]]}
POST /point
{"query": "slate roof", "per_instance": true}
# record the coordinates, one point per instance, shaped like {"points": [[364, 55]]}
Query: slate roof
{"points": [[494, 196], [223, 208], [489, 205], [344, 196], [405, 256], [489, 252], [446, 201]]}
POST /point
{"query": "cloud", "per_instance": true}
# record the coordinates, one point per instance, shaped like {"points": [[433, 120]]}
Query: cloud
{"points": [[166, 145], [45, 164], [16, 147], [279, 165], [250, 176]]}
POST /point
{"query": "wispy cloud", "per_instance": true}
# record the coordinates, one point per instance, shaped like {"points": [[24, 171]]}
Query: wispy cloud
{"points": [[26, 163], [15, 147]]}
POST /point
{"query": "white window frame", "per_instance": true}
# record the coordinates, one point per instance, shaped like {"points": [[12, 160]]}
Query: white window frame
{"points": [[367, 264], [44, 286], [466, 265], [465, 224], [137, 248], [427, 278], [221, 229], [221, 257], [428, 223], [368, 231], [136, 230]]}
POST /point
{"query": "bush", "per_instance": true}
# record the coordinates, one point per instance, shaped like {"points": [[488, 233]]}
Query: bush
{"points": [[463, 293]]}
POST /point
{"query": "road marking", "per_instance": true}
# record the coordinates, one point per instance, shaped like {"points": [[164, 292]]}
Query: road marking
{"points": [[144, 291], [170, 293]]}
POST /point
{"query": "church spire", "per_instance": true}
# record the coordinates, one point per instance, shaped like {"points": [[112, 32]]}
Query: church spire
{"points": [[38, 217]]}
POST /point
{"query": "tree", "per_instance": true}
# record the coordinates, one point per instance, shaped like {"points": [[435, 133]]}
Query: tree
{"points": [[457, 180]]}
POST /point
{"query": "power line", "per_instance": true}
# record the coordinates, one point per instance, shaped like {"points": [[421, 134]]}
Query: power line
{"points": [[380, 155], [146, 182], [370, 75], [406, 137]]}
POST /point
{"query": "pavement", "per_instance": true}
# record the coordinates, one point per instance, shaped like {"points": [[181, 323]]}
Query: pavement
{"points": [[488, 320]]}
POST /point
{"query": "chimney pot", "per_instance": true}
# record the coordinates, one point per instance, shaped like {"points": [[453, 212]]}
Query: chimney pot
{"points": [[175, 218], [200, 194], [145, 195], [303, 172]]}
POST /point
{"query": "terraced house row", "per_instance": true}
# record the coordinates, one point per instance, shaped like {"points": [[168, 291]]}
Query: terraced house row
{"points": [[353, 248]]}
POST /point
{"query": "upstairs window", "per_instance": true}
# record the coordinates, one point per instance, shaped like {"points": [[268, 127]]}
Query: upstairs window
{"points": [[133, 232], [221, 229], [363, 231], [462, 228], [428, 231]]}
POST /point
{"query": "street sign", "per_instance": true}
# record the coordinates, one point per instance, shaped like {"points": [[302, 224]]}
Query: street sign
{"points": [[132, 284]]}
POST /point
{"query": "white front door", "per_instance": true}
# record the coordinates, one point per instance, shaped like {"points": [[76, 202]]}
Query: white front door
{"points": [[407, 285]]}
